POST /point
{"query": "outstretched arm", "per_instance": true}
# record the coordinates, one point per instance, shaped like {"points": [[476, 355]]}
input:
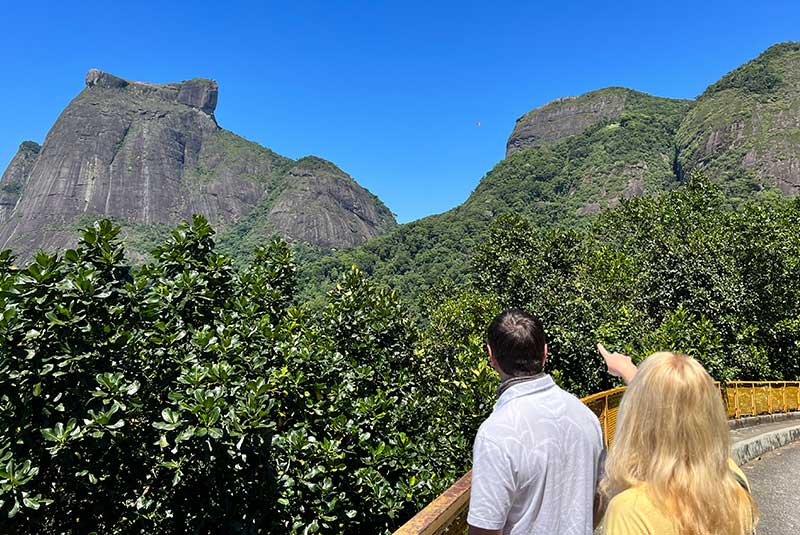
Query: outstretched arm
{"points": [[618, 365]]}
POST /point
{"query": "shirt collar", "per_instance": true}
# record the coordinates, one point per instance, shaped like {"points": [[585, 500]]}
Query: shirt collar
{"points": [[524, 389]]}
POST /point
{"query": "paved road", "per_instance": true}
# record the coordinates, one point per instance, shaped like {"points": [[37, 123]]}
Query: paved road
{"points": [[775, 481]]}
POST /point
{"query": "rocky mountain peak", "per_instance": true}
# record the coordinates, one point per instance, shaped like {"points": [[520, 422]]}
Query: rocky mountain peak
{"points": [[151, 155], [197, 93], [569, 116], [16, 175], [98, 78], [566, 116]]}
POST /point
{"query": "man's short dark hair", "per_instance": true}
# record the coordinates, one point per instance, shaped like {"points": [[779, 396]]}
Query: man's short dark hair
{"points": [[517, 341]]}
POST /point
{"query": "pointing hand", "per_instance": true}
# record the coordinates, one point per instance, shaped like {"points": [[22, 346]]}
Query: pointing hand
{"points": [[618, 365]]}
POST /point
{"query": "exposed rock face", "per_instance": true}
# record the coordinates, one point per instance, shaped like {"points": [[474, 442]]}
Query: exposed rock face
{"points": [[97, 78], [745, 129], [197, 93], [566, 116], [319, 187], [148, 154], [16, 176]]}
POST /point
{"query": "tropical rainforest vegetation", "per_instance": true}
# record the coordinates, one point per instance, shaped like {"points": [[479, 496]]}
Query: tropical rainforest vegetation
{"points": [[189, 395]]}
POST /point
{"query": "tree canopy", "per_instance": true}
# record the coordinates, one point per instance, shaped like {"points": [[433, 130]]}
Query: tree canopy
{"points": [[190, 395]]}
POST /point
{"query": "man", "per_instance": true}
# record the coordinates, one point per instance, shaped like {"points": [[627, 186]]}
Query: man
{"points": [[536, 458]]}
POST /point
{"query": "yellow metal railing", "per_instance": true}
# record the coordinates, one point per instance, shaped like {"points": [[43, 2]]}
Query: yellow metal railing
{"points": [[753, 398], [447, 514]]}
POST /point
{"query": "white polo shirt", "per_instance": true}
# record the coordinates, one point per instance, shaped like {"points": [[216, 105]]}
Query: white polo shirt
{"points": [[535, 463]]}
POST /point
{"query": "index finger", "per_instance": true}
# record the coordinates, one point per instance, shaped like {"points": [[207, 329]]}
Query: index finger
{"points": [[603, 351]]}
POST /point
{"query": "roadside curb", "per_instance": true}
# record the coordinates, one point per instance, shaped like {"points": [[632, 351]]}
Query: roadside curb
{"points": [[749, 421], [748, 449]]}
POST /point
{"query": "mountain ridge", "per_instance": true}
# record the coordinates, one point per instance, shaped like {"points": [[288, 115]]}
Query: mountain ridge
{"points": [[566, 161], [571, 115], [745, 128], [573, 157], [151, 155]]}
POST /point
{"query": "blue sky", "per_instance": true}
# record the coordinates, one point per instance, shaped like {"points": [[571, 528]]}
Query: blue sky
{"points": [[389, 91]]}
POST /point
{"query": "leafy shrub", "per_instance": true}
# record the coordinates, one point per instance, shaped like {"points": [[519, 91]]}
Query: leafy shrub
{"points": [[753, 77], [684, 271], [189, 396], [758, 76], [193, 396], [11, 187]]}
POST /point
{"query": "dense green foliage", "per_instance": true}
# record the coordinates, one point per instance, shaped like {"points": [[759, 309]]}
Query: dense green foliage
{"points": [[755, 76], [686, 271], [409, 258], [191, 396]]}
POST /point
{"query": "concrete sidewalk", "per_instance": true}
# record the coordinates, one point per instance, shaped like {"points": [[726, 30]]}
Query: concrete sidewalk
{"points": [[768, 450]]}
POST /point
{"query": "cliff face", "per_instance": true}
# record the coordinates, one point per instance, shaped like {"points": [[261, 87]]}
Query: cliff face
{"points": [[745, 129], [152, 155], [15, 177], [578, 155], [566, 116], [319, 187]]}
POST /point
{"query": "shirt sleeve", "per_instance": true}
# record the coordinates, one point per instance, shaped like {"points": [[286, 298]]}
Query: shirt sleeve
{"points": [[492, 485]]}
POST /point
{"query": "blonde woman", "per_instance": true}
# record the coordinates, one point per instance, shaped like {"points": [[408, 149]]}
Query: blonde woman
{"points": [[669, 470]]}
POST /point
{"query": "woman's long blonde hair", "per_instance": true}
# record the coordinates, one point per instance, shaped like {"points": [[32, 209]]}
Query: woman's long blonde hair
{"points": [[672, 435]]}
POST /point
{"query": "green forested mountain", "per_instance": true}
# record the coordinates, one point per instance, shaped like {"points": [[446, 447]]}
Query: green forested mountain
{"points": [[574, 157], [744, 130], [557, 181]]}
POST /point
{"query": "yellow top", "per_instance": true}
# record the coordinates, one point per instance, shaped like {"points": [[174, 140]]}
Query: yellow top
{"points": [[631, 512]]}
